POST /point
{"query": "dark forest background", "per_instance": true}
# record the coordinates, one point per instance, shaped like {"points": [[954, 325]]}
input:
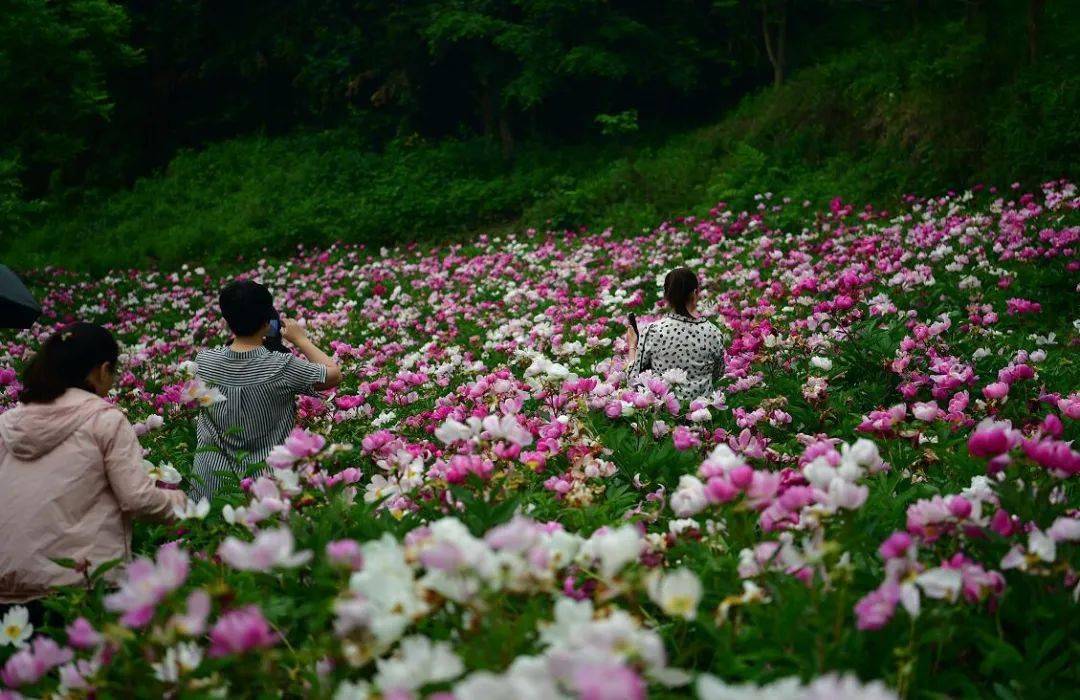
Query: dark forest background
{"points": [[168, 131]]}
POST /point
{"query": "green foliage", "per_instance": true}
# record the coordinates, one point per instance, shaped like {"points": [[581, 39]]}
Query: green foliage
{"points": [[621, 124], [54, 61], [949, 105], [13, 208]]}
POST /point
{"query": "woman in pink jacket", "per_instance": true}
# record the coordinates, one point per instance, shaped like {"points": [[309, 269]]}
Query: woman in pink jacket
{"points": [[71, 474]]}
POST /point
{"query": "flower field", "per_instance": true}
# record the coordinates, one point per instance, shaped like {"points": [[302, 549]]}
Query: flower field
{"points": [[879, 500]]}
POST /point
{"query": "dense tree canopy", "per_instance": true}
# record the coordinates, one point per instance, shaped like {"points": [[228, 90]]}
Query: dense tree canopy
{"points": [[100, 92]]}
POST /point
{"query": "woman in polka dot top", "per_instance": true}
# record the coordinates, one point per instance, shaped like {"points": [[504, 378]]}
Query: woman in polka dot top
{"points": [[680, 341]]}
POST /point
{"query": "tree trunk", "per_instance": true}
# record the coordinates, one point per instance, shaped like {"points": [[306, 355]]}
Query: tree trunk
{"points": [[781, 46], [506, 137], [1034, 23], [487, 109], [973, 9], [494, 115], [775, 49]]}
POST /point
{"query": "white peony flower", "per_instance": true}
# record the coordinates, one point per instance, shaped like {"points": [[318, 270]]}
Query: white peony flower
{"points": [[845, 494], [15, 628], [178, 660], [353, 690], [271, 548], [677, 593], [417, 662], [1042, 545], [1064, 530], [192, 510], [689, 496], [164, 472], [612, 548], [454, 431], [940, 583]]}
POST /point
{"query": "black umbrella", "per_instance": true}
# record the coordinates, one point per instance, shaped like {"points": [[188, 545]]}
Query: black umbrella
{"points": [[17, 307]]}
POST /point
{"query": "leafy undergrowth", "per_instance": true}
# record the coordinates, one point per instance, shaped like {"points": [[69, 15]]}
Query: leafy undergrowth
{"points": [[879, 498]]}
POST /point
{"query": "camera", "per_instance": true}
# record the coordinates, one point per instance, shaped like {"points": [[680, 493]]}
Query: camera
{"points": [[272, 341]]}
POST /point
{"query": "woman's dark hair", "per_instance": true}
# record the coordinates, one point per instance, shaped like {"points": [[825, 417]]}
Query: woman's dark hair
{"points": [[679, 284], [64, 361], [246, 306]]}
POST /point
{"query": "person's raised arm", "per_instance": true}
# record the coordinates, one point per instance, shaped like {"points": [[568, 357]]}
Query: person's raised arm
{"points": [[640, 356], [135, 490], [297, 336]]}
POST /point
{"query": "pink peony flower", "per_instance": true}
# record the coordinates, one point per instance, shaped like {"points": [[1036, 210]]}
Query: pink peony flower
{"points": [[29, 665], [345, 553], [193, 621], [608, 681], [239, 631], [147, 584], [82, 635], [684, 438], [927, 411], [719, 489]]}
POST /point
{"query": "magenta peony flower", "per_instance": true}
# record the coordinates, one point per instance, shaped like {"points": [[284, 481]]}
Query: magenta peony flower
{"points": [[991, 438], [1056, 456], [876, 608], [895, 546], [960, 507], [995, 391]]}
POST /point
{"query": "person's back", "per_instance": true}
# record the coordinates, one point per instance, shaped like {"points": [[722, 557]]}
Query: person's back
{"points": [[693, 345], [71, 478], [260, 386], [680, 341], [259, 410]]}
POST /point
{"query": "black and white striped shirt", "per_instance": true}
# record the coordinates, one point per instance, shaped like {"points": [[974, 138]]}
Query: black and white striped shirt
{"points": [[693, 345], [260, 389]]}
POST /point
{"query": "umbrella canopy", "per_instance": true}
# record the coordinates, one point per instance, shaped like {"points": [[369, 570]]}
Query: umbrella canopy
{"points": [[17, 307]]}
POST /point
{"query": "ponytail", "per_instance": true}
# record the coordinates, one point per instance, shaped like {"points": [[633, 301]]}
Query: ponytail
{"points": [[679, 284], [65, 359]]}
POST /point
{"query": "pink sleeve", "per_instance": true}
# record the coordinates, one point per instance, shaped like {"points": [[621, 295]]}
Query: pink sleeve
{"points": [[134, 489]]}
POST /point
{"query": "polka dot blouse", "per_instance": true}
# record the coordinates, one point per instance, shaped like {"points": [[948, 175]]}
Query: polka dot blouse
{"points": [[693, 345]]}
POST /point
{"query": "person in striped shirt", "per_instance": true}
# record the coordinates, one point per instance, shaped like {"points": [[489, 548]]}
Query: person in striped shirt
{"points": [[260, 387]]}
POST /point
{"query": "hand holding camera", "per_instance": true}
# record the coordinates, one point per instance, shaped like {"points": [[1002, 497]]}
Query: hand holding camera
{"points": [[292, 331]]}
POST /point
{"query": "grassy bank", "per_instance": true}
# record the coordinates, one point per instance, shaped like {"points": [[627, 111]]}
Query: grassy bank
{"points": [[941, 109]]}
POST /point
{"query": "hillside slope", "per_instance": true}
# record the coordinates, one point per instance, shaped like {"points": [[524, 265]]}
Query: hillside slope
{"points": [[936, 111]]}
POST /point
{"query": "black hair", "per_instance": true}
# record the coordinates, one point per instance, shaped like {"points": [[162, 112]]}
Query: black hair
{"points": [[64, 361], [679, 284], [246, 306]]}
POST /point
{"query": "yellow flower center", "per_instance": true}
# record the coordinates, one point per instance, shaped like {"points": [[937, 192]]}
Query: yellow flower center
{"points": [[680, 604]]}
